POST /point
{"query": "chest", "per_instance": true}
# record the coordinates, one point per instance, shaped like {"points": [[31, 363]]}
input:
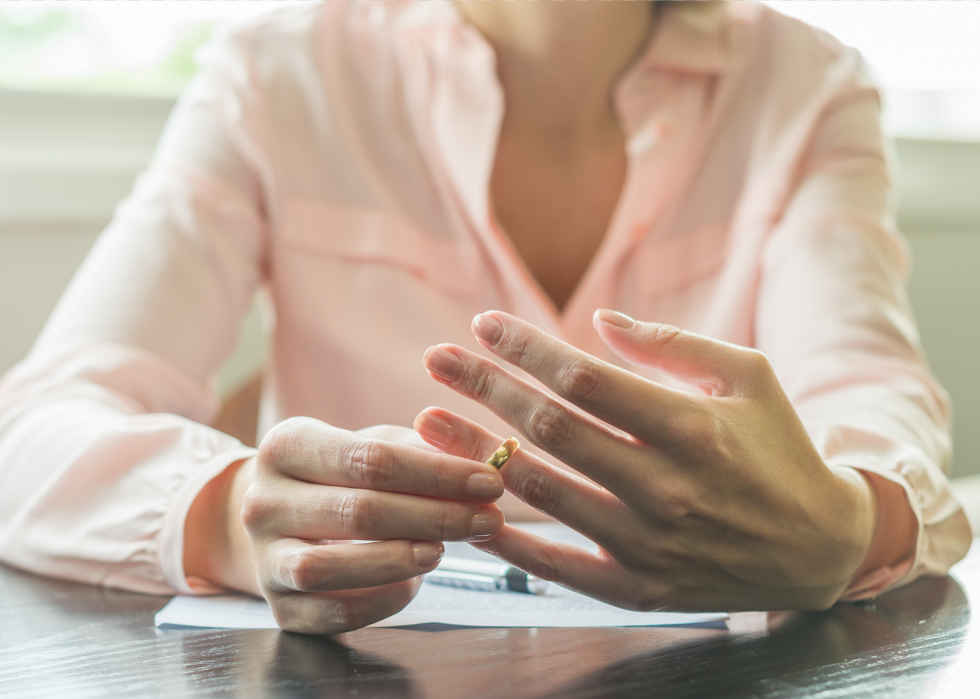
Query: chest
{"points": [[555, 201]]}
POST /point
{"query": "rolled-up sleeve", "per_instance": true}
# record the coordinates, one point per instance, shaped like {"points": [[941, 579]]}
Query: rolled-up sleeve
{"points": [[103, 436], [835, 321]]}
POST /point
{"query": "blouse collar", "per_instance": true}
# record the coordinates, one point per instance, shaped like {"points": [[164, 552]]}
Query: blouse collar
{"points": [[699, 37], [692, 37]]}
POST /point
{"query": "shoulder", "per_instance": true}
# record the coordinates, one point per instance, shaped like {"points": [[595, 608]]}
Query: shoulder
{"points": [[800, 60], [263, 47], [774, 56], [305, 52], [795, 87], [281, 36]]}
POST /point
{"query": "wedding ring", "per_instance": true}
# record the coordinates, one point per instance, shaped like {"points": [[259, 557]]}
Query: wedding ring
{"points": [[502, 454]]}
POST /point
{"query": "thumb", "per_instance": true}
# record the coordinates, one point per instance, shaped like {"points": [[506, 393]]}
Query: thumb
{"points": [[717, 368]]}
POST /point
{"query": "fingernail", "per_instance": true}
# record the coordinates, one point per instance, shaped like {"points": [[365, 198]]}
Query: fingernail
{"points": [[427, 553], [488, 329], [434, 429], [489, 486], [443, 364], [620, 320], [483, 526]]}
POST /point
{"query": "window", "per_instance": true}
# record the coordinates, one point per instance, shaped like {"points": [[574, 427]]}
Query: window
{"points": [[924, 54], [122, 47]]}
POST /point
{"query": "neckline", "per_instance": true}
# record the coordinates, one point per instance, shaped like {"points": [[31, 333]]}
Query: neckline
{"points": [[469, 158], [610, 239]]}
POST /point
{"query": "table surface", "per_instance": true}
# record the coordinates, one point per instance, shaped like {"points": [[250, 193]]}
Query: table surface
{"points": [[67, 640]]}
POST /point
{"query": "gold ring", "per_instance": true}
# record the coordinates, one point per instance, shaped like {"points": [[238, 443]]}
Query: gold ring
{"points": [[503, 453]]}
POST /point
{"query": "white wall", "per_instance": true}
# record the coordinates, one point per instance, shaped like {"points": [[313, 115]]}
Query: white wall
{"points": [[66, 160]]}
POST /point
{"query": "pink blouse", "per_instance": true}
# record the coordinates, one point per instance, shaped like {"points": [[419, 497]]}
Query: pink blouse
{"points": [[338, 155]]}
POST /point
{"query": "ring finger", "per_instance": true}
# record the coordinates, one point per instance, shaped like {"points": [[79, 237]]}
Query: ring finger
{"points": [[583, 443], [570, 499]]}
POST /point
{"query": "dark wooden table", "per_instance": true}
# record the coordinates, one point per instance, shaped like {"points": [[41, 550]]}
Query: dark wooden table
{"points": [[63, 640]]}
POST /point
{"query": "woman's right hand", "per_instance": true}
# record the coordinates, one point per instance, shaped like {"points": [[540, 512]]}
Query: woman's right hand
{"points": [[312, 484]]}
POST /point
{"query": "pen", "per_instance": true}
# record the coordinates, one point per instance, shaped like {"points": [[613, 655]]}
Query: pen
{"points": [[485, 575]]}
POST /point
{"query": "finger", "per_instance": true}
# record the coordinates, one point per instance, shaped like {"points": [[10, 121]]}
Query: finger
{"points": [[304, 511], [338, 612], [312, 451], [298, 566], [593, 574], [586, 445], [632, 403], [717, 368], [574, 501], [394, 433]]}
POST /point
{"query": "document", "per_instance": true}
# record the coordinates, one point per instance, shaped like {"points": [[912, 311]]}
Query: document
{"points": [[439, 604]]}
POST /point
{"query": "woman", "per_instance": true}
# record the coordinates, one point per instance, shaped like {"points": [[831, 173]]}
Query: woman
{"points": [[388, 172]]}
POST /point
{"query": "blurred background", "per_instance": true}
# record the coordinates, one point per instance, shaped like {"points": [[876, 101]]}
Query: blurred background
{"points": [[85, 89]]}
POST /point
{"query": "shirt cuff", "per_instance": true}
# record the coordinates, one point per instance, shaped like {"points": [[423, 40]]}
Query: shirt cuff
{"points": [[877, 581], [172, 534]]}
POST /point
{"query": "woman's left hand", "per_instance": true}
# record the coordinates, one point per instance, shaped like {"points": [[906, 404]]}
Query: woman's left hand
{"points": [[697, 502]]}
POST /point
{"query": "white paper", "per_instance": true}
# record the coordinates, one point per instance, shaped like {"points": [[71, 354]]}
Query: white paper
{"points": [[440, 604], [221, 612]]}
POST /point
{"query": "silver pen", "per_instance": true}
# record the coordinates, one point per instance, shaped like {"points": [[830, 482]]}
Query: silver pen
{"points": [[485, 575]]}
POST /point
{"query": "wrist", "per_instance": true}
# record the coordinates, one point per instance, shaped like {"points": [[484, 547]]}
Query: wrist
{"points": [[884, 526], [896, 528], [856, 512], [217, 547]]}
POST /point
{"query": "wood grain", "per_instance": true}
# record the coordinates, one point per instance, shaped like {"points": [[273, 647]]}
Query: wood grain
{"points": [[60, 639]]}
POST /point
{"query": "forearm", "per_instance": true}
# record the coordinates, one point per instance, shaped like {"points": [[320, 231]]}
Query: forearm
{"points": [[887, 436], [94, 490]]}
